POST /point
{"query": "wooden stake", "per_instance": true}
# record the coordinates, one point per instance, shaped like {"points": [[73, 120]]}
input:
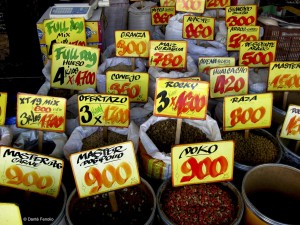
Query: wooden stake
{"points": [[246, 134], [178, 131], [113, 201], [297, 147], [40, 141], [217, 14], [133, 64], [105, 134], [285, 97]]}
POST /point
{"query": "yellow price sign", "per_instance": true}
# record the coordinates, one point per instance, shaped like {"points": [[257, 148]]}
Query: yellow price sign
{"points": [[133, 84], [217, 4], [3, 103], [30, 171], [167, 2], [10, 214], [41, 112], [181, 98], [74, 67], [193, 6], [284, 76], [132, 43], [197, 27], [237, 34], [247, 111], [160, 15], [105, 169], [104, 110], [241, 15], [257, 53], [202, 162], [206, 63], [228, 81], [291, 125]]}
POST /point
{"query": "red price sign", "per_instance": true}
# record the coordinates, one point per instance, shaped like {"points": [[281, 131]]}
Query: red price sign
{"points": [[181, 98], [168, 54], [167, 2], [241, 15], [247, 112], [257, 53], [195, 6], [228, 81], [196, 27], [161, 15], [3, 102], [291, 126], [202, 162], [132, 43], [217, 4]]}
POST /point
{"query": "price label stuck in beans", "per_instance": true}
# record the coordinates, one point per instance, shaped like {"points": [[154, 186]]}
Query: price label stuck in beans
{"points": [[132, 43], [291, 125], [193, 6], [103, 110], [132, 84], [284, 76], [168, 54], [64, 30], [196, 27], [160, 15], [217, 4], [245, 112], [181, 98], [237, 34], [167, 2], [105, 169], [241, 15], [206, 63], [202, 162], [257, 53], [227, 81], [74, 67], [30, 171], [3, 103], [41, 112]]}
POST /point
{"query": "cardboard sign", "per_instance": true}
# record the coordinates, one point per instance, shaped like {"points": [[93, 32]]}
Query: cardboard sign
{"points": [[74, 67], [132, 43], [241, 15], [284, 76], [64, 30], [41, 112], [10, 214], [228, 81], [196, 27], [161, 15], [193, 6], [133, 84], [202, 162], [247, 112], [206, 63], [105, 169], [237, 34], [257, 53], [217, 4], [168, 54], [167, 2], [181, 98], [291, 126], [30, 171], [3, 103], [103, 110]]}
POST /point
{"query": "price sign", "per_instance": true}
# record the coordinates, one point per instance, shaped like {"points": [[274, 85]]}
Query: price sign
{"points": [[167, 2], [257, 53], [131, 43], [181, 98], [168, 54], [247, 111], [105, 169], [41, 112], [237, 34], [284, 76], [161, 15], [64, 30], [217, 4], [193, 6], [10, 214], [133, 84], [103, 110], [196, 27], [291, 126], [74, 67], [206, 63], [3, 103], [228, 81], [241, 15], [30, 171], [202, 162]]}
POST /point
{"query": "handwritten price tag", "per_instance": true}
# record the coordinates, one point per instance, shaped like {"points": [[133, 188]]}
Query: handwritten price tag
{"points": [[194, 6], [133, 84], [161, 15], [132, 43], [217, 4], [103, 110], [257, 53], [247, 112], [228, 81], [241, 15], [235, 35], [167, 2], [291, 126], [206, 63], [41, 112], [284, 76], [10, 213], [196, 27], [30, 171], [105, 169], [181, 98], [3, 103], [202, 162]]}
